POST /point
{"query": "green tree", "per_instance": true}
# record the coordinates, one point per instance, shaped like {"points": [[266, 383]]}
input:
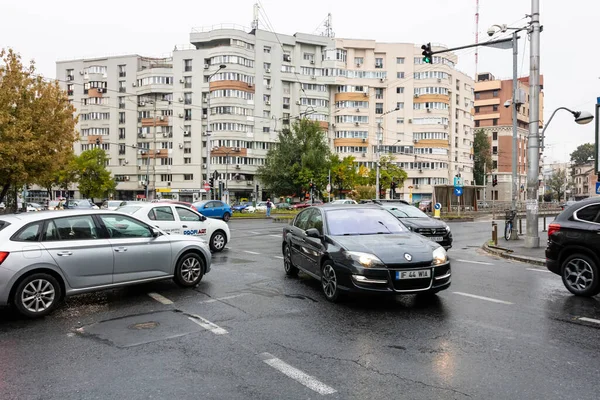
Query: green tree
{"points": [[388, 171], [300, 157], [344, 174], [37, 127], [361, 192], [483, 156], [93, 177], [583, 153], [557, 183]]}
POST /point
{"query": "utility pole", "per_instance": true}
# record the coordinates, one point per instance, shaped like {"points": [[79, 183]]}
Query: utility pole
{"points": [[515, 94], [377, 158], [532, 239], [154, 150]]}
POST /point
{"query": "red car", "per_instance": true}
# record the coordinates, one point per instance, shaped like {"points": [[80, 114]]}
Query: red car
{"points": [[305, 204]]}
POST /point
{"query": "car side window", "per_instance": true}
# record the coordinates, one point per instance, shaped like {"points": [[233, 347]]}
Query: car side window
{"points": [[588, 213], [30, 233], [187, 215], [301, 220], [164, 213], [208, 204], [315, 220], [122, 227], [71, 228]]}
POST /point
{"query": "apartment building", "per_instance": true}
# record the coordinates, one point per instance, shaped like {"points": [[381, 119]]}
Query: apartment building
{"points": [[232, 90], [493, 114], [583, 182]]}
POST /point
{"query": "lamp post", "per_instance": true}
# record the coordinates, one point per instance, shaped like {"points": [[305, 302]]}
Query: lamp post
{"points": [[227, 153], [208, 132]]}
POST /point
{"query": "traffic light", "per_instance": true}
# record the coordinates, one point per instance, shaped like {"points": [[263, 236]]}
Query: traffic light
{"points": [[393, 186], [495, 180], [427, 53], [211, 182]]}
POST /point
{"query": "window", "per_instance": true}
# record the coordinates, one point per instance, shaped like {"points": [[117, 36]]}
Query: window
{"points": [[379, 93], [494, 135], [399, 90], [166, 177], [477, 96], [378, 108], [161, 214], [315, 220], [400, 106], [267, 49], [400, 75], [359, 61], [71, 228], [188, 177], [495, 121], [494, 149], [399, 60], [588, 213], [495, 93], [301, 220], [122, 227], [187, 98], [476, 110], [122, 71], [121, 117], [31, 233], [476, 124], [187, 114], [494, 164], [187, 215], [378, 62], [495, 107], [187, 82], [309, 56], [187, 65], [187, 160]]}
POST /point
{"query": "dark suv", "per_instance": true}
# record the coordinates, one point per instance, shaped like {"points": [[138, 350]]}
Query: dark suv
{"points": [[573, 250]]}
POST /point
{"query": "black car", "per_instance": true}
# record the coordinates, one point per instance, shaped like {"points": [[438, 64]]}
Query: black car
{"points": [[362, 248], [419, 222], [573, 250]]}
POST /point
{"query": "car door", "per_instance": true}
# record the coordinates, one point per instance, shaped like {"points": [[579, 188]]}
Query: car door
{"points": [[207, 209], [313, 247], [218, 209], [163, 217], [81, 251], [192, 223], [298, 239], [137, 253], [588, 219]]}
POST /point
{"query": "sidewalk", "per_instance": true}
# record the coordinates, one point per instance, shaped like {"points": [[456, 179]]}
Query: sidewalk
{"points": [[516, 250]]}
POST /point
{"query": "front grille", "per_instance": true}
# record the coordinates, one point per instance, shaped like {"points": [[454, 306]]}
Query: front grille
{"points": [[431, 231], [412, 284], [441, 271]]}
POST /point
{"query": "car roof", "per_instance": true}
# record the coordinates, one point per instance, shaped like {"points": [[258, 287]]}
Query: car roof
{"points": [[38, 216], [333, 207]]}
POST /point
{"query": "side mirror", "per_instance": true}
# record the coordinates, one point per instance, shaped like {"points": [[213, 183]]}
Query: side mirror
{"points": [[155, 232], [202, 218], [313, 233]]}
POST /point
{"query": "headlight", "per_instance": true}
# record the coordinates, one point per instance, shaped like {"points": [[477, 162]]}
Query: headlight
{"points": [[447, 228], [365, 259], [439, 256]]}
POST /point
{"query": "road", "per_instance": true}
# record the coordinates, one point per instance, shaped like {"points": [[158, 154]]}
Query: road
{"points": [[503, 330]]}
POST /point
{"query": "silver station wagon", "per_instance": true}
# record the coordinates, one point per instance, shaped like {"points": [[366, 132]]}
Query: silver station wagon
{"points": [[49, 255]]}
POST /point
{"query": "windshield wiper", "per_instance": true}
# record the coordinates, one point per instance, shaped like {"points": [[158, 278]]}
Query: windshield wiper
{"points": [[384, 225]]}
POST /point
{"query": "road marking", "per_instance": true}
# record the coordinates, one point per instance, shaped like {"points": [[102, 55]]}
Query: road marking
{"points": [[160, 298], [483, 298], [206, 324], [276, 236], [281, 258], [475, 262], [296, 374], [255, 233], [537, 270], [221, 298], [586, 319], [250, 252]]}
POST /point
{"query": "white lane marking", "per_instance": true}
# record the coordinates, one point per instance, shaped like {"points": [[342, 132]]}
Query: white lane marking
{"points": [[250, 252], [296, 374], [255, 233], [475, 262], [586, 319], [276, 236], [221, 298], [160, 298], [206, 324], [483, 298], [281, 258], [537, 270]]}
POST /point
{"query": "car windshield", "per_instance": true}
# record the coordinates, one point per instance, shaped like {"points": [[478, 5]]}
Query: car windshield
{"points": [[3, 224], [406, 212], [114, 203], [128, 209], [362, 221]]}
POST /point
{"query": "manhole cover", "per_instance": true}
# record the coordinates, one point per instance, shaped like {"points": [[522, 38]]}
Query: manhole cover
{"points": [[144, 325]]}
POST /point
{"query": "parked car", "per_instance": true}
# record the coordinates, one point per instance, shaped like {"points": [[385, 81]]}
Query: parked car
{"points": [[421, 223], [112, 204], [362, 248], [169, 201], [80, 204], [343, 201], [243, 207], [283, 206], [214, 209], [306, 204], [261, 206], [567, 204], [573, 249], [47, 256], [425, 205], [34, 207], [178, 219]]}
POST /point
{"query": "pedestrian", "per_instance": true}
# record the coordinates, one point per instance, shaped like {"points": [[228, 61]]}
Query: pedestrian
{"points": [[269, 205]]}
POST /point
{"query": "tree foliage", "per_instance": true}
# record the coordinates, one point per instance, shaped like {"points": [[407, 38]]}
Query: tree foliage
{"points": [[93, 177], [388, 171], [483, 156], [362, 192], [37, 128], [557, 183], [344, 175], [583, 153], [301, 156]]}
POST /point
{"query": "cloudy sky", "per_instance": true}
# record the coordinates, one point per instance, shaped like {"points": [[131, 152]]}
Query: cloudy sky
{"points": [[53, 30]]}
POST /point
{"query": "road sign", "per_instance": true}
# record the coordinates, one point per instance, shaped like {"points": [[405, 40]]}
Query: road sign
{"points": [[458, 182], [437, 206], [597, 187], [206, 186], [437, 210], [458, 191], [328, 188]]}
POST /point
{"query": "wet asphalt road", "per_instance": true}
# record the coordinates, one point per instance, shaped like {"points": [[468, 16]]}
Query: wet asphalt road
{"points": [[503, 330]]}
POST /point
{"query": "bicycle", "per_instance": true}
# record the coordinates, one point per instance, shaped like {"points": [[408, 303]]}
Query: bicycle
{"points": [[509, 224]]}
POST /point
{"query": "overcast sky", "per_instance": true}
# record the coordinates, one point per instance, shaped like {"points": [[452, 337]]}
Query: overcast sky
{"points": [[51, 30]]}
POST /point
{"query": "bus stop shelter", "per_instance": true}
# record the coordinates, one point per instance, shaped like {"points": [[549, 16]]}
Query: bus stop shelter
{"points": [[444, 194]]}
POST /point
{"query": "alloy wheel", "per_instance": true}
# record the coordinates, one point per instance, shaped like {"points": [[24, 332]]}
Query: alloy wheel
{"points": [[218, 241], [329, 281], [190, 269], [38, 295], [287, 259], [579, 274]]}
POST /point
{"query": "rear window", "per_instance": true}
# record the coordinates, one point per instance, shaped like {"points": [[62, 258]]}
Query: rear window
{"points": [[3, 224], [128, 209]]}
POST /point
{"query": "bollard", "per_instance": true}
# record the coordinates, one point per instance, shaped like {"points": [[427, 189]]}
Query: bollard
{"points": [[520, 226], [544, 224], [495, 233]]}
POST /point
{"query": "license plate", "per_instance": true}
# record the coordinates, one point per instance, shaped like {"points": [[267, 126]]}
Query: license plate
{"points": [[416, 274], [437, 238]]}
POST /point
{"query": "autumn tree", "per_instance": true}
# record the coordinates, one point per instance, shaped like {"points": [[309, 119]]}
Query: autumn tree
{"points": [[483, 156], [583, 153], [344, 173], [37, 128], [93, 178], [388, 171]]}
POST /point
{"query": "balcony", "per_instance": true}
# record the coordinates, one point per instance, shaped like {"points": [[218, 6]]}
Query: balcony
{"points": [[121, 105], [70, 77], [122, 74], [122, 90], [69, 93]]}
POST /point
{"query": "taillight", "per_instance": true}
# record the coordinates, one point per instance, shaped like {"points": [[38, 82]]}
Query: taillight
{"points": [[553, 228], [3, 255]]}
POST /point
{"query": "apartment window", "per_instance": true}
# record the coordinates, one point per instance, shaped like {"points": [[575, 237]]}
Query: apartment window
{"points": [[287, 57], [495, 121], [267, 49], [188, 177], [187, 160], [122, 87], [121, 101], [121, 149], [399, 120], [359, 61], [309, 56], [495, 93], [378, 62], [494, 164], [476, 124], [266, 114], [187, 82], [187, 98], [121, 117], [400, 75], [166, 161], [122, 71], [379, 93], [70, 89], [286, 103], [121, 133], [187, 65], [494, 135], [495, 107], [187, 147], [494, 149], [267, 67], [166, 177], [378, 108], [399, 90], [477, 96], [400, 106], [476, 110], [187, 114], [399, 60], [266, 129]]}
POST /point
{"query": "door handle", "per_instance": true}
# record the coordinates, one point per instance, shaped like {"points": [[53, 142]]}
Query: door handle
{"points": [[121, 249], [184, 226], [64, 253]]}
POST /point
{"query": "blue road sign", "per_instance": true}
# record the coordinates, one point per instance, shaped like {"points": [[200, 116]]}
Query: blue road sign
{"points": [[458, 182], [438, 206], [597, 100], [597, 187], [458, 191]]}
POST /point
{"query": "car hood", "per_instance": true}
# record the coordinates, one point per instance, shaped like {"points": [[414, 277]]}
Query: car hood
{"points": [[422, 223], [390, 248]]}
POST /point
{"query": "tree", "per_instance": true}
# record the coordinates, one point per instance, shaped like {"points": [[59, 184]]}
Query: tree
{"points": [[362, 192], [483, 156], [93, 177], [583, 153], [301, 157], [343, 173], [557, 183], [388, 171], [37, 127]]}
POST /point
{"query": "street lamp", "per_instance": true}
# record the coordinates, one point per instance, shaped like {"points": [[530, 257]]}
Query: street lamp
{"points": [[208, 132], [581, 117]]}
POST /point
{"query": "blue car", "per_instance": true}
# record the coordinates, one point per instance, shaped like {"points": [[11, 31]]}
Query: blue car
{"points": [[214, 209], [241, 207]]}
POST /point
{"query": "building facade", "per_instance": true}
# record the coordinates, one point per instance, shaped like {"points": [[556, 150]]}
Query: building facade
{"points": [[232, 90], [493, 115], [583, 182]]}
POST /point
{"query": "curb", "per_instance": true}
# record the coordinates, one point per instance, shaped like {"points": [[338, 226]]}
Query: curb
{"points": [[507, 253]]}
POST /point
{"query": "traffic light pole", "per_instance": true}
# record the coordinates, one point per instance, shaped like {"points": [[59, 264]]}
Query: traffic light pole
{"points": [[514, 194]]}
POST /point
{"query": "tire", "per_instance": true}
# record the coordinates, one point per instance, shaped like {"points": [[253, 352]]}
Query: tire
{"points": [[189, 270], [226, 217], [329, 282], [580, 275], [288, 266], [507, 230], [218, 240], [37, 290]]}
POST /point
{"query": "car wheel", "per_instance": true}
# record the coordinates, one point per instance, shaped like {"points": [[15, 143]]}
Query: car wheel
{"points": [[37, 295], [329, 282], [288, 266], [580, 275], [218, 240], [226, 217], [189, 270]]}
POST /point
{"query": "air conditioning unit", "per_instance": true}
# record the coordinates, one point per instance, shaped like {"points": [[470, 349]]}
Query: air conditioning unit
{"points": [[416, 140], [203, 165], [356, 124], [142, 104], [181, 99], [134, 84], [268, 87], [203, 134], [165, 134], [250, 85], [236, 149], [181, 145], [287, 57], [366, 94], [181, 115], [268, 103], [358, 65], [81, 72], [416, 95], [298, 102], [127, 178], [416, 186], [382, 80], [364, 140], [162, 118], [445, 126], [249, 183], [313, 77], [429, 110], [104, 75], [205, 100], [364, 155], [268, 70], [206, 66], [439, 80], [358, 110], [421, 171], [410, 121], [182, 80], [204, 116], [141, 135], [312, 61], [157, 151], [333, 125], [186, 133], [237, 166], [86, 76]]}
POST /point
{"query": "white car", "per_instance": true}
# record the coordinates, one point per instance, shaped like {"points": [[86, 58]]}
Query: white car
{"points": [[344, 201], [261, 206], [113, 204], [179, 219]]}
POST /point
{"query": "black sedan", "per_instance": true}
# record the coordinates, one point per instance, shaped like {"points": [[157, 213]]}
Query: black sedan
{"points": [[573, 250], [362, 248], [419, 222]]}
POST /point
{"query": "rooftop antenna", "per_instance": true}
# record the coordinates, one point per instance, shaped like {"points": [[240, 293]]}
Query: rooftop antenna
{"points": [[476, 35], [255, 17], [329, 27]]}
